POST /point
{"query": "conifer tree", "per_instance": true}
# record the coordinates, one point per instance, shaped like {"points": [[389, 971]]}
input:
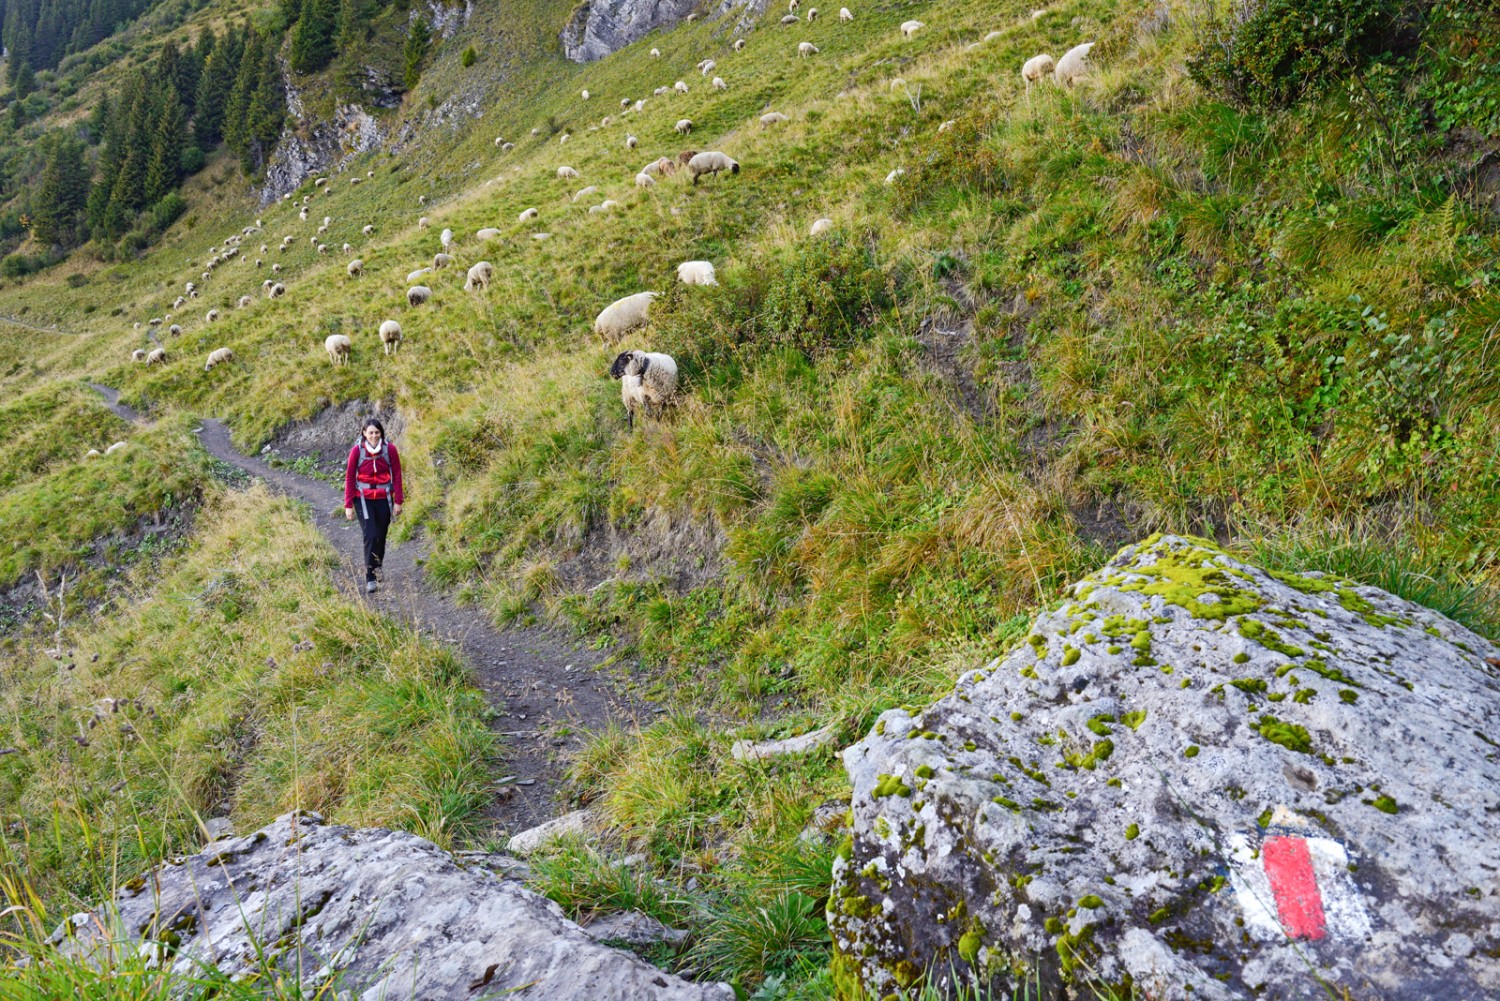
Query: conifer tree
{"points": [[313, 37], [62, 192], [214, 86], [417, 39], [163, 169]]}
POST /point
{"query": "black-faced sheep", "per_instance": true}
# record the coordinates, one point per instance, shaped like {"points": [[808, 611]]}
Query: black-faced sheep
{"points": [[276, 291], [356, 268], [217, 357], [527, 215], [711, 162], [647, 380], [390, 336], [418, 294]]}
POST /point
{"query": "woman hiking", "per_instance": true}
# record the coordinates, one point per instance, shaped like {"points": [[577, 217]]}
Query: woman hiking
{"points": [[372, 488]]}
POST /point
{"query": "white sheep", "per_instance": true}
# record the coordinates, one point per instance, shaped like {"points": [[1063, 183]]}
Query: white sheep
{"points": [[418, 294], [217, 357], [211, 316], [624, 104], [644, 180], [117, 446], [565, 137], [368, 230], [488, 233], [680, 86], [356, 180], [585, 95], [792, 5], [175, 331], [696, 273], [639, 105], [440, 261], [527, 215], [812, 15], [739, 44], [479, 277], [422, 199], [719, 84], [423, 223], [348, 248], [910, 28], [585, 192], [892, 177], [189, 287], [413, 276], [446, 238], [276, 291], [805, 49], [390, 336], [656, 53], [773, 118], [820, 227], [158, 356], [338, 347], [245, 301], [705, 66], [683, 126], [647, 380], [1033, 69], [179, 302], [711, 162], [946, 126], [622, 316], [139, 354], [320, 182], [276, 269], [541, 236], [1073, 66], [92, 453], [658, 92], [631, 142], [356, 268], [322, 248], [790, 19], [566, 173]]}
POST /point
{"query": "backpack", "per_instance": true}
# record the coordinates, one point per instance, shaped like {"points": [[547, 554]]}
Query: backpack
{"points": [[383, 455]]}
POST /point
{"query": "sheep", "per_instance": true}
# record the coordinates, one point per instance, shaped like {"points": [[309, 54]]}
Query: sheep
{"points": [[390, 336], [423, 223], [622, 316], [812, 15], [276, 291], [639, 105], [683, 126], [174, 331], [418, 294], [508, 147], [446, 238], [719, 84], [646, 380], [157, 356], [139, 354], [993, 35], [413, 276], [245, 301], [585, 192], [624, 104], [276, 269], [356, 180], [658, 92], [680, 86], [656, 53], [217, 357], [338, 347], [322, 248], [711, 162], [422, 199], [820, 227], [705, 66], [665, 166], [155, 321], [696, 273], [1073, 65], [644, 180], [565, 137], [585, 95], [368, 230], [1033, 69], [631, 142], [488, 233], [739, 44], [566, 173], [92, 453], [117, 446], [792, 6], [893, 175], [910, 28], [790, 19], [440, 261], [527, 215], [541, 236], [685, 156], [479, 277], [805, 49], [947, 125], [356, 268], [179, 302]]}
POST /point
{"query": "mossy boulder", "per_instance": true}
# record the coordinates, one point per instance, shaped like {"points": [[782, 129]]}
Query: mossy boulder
{"points": [[1197, 778]]}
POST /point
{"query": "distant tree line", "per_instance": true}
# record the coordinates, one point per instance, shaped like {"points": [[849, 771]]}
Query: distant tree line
{"points": [[38, 33]]}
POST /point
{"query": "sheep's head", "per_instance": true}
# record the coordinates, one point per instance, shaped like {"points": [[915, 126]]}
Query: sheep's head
{"points": [[628, 363]]}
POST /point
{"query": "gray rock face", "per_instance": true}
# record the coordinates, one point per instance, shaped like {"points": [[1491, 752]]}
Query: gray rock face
{"points": [[599, 27], [1197, 777], [318, 147], [386, 910]]}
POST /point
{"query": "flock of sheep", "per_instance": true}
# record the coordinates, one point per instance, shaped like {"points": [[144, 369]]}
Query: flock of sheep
{"points": [[648, 379]]}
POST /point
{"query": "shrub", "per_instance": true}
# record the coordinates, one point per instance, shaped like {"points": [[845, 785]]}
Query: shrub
{"points": [[469, 58], [817, 294], [165, 212], [191, 160]]}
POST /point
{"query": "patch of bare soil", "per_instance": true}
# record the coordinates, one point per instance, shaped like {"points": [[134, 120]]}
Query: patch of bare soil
{"points": [[683, 552]]}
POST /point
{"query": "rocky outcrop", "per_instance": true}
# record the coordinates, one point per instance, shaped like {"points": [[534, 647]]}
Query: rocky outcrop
{"points": [[320, 147], [1196, 777], [599, 27], [382, 914]]}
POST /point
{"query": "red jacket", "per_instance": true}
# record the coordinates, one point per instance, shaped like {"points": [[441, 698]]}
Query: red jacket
{"points": [[376, 478]]}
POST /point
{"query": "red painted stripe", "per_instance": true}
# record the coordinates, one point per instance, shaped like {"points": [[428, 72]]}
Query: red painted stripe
{"points": [[1298, 903]]}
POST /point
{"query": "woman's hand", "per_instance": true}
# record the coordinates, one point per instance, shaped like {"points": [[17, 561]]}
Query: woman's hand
{"points": [[395, 510], [349, 513]]}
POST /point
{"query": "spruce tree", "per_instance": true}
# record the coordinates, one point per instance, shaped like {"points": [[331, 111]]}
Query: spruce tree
{"points": [[62, 192], [247, 78], [214, 85], [312, 39], [417, 39], [164, 168]]}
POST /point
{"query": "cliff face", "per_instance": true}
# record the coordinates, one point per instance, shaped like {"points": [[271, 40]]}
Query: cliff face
{"points": [[599, 27]]}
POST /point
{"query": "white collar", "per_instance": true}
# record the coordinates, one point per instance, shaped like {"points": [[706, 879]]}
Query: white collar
{"points": [[372, 451]]}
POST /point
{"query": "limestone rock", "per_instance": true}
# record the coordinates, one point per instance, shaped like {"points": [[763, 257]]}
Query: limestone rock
{"points": [[575, 823], [389, 913], [1205, 779], [746, 750], [634, 929], [599, 27]]}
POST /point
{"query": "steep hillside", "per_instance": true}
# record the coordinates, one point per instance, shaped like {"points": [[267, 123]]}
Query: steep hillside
{"points": [[1237, 280]]}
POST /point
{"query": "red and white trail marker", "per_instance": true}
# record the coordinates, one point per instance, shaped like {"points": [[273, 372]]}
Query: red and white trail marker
{"points": [[1293, 884]]}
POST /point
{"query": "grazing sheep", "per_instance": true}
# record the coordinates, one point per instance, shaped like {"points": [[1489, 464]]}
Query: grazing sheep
{"points": [[322, 248], [647, 380], [631, 142], [585, 192], [245, 300], [812, 15], [893, 175], [658, 92], [92, 453], [566, 173], [790, 19], [155, 321], [739, 44], [276, 269], [622, 316], [422, 199], [644, 180], [179, 302], [805, 49], [139, 354], [1033, 69], [705, 66], [719, 84], [820, 227], [910, 28], [276, 291], [683, 126], [356, 268], [348, 248], [418, 294], [412, 276], [446, 238], [527, 215], [368, 230], [158, 356], [585, 95], [947, 125], [338, 347], [565, 137], [624, 104], [1073, 65], [488, 233], [665, 166], [117, 446], [441, 261], [711, 162], [356, 180], [217, 357], [508, 147], [680, 86], [696, 273], [656, 53], [390, 336], [423, 223], [174, 331], [685, 156], [792, 6], [479, 277]]}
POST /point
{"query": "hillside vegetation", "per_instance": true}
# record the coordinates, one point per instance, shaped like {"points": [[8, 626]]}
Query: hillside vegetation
{"points": [[1240, 281]]}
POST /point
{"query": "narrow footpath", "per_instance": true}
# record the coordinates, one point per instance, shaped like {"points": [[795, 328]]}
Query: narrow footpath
{"points": [[547, 691]]}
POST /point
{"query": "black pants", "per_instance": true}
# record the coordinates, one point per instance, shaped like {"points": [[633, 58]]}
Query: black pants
{"points": [[374, 526]]}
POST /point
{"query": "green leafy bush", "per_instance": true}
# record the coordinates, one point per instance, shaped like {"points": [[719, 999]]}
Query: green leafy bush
{"points": [[470, 57], [817, 294]]}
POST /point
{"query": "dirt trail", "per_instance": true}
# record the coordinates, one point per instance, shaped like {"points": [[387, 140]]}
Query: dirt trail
{"points": [[546, 691]]}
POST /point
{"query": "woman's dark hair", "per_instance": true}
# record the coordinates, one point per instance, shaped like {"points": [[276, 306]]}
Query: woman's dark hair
{"points": [[371, 422]]}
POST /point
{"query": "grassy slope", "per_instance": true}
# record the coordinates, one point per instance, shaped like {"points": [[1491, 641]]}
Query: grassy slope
{"points": [[1157, 296]]}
